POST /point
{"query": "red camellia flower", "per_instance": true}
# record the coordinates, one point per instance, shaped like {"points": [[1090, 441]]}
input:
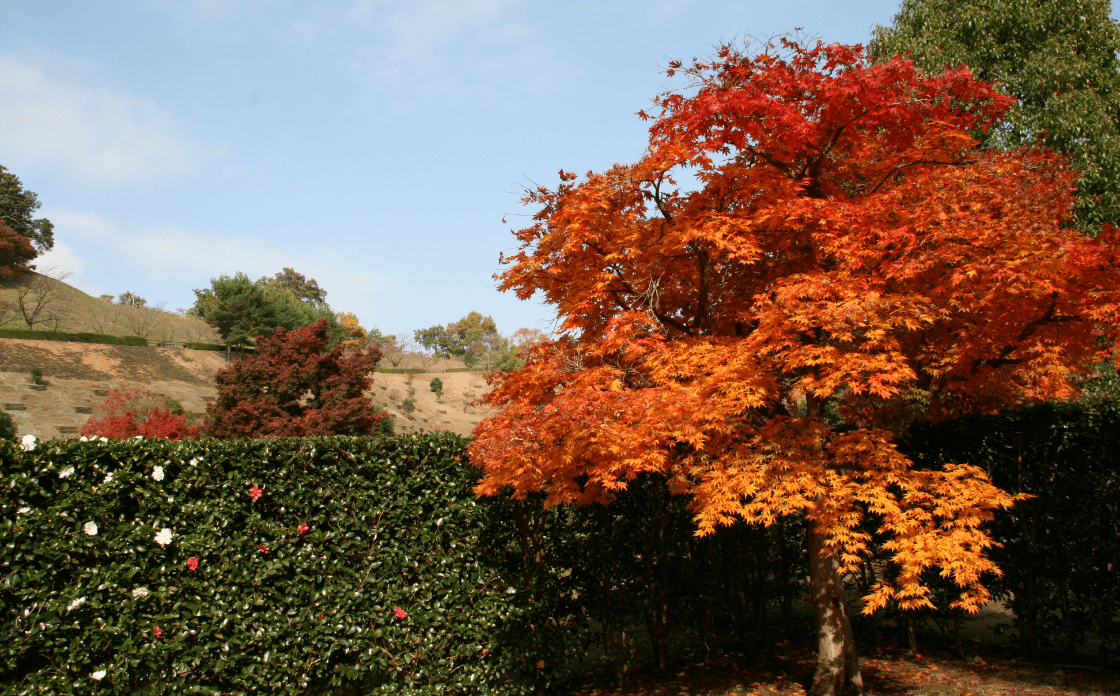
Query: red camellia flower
{"points": [[157, 633], [255, 493], [262, 548], [400, 613], [192, 563], [303, 529]]}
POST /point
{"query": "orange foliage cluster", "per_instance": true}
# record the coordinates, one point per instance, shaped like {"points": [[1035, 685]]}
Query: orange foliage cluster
{"points": [[810, 239]]}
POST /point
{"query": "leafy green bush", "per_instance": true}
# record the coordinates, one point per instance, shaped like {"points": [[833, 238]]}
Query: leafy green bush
{"points": [[7, 427], [36, 373], [1059, 549], [82, 337], [264, 566], [408, 406], [436, 385]]}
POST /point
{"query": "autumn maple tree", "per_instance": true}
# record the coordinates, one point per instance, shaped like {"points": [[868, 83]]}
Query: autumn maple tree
{"points": [[292, 386], [137, 412], [811, 255]]}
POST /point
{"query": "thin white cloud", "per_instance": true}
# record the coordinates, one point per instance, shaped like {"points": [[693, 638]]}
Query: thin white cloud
{"points": [[95, 134], [186, 259], [428, 48], [60, 261]]}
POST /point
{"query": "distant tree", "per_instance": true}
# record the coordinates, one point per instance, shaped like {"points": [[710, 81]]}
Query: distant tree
{"points": [[510, 354], [17, 210], [204, 302], [107, 298], [16, 253], [353, 335], [435, 340], [474, 339], [307, 291], [131, 299], [1057, 58], [292, 387], [240, 309], [132, 412]]}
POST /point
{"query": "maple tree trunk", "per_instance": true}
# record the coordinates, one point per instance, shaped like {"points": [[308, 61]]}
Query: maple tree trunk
{"points": [[837, 662]]}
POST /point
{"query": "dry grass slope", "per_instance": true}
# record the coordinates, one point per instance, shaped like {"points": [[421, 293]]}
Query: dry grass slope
{"points": [[77, 375]]}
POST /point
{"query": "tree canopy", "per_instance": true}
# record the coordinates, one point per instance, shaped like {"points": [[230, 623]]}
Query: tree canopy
{"points": [[241, 310], [307, 291], [812, 254], [295, 386], [474, 338], [16, 253], [17, 211], [1058, 59]]}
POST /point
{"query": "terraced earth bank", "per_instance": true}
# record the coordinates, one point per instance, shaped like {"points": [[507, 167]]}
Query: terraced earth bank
{"points": [[76, 377]]}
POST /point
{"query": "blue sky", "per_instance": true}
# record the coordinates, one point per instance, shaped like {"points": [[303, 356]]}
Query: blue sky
{"points": [[375, 145]]}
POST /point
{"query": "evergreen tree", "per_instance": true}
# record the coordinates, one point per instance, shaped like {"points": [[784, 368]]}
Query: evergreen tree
{"points": [[1057, 58]]}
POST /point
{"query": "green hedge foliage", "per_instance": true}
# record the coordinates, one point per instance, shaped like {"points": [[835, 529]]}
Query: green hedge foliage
{"points": [[218, 347], [1060, 549], [155, 566], [74, 337], [414, 370]]}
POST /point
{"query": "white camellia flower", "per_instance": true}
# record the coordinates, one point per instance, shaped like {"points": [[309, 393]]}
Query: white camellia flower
{"points": [[68, 471], [98, 675], [195, 461], [157, 473], [83, 438], [140, 592], [24, 510], [76, 603], [90, 528], [27, 443], [108, 478], [103, 439], [164, 537]]}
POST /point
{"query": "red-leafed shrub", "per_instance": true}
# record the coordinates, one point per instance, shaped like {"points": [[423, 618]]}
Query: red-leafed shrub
{"points": [[132, 412], [290, 387]]}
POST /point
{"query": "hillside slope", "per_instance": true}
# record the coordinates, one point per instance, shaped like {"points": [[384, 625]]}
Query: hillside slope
{"points": [[77, 375]]}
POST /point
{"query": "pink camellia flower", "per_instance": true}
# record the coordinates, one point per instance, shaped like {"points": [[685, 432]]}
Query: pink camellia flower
{"points": [[255, 493], [303, 529], [262, 548], [157, 633], [400, 613], [192, 563]]}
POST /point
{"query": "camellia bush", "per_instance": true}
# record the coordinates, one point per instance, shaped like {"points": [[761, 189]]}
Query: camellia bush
{"points": [[263, 566]]}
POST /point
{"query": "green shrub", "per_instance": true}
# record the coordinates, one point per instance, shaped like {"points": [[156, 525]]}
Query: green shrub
{"points": [[36, 373], [282, 568], [408, 405], [82, 337], [7, 427], [436, 386]]}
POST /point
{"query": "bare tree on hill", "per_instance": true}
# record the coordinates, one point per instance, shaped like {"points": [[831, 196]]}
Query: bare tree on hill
{"points": [[39, 298]]}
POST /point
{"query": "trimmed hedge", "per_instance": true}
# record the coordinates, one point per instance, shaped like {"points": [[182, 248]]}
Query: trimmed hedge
{"points": [[297, 589], [1059, 549], [218, 347], [406, 370], [74, 337]]}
